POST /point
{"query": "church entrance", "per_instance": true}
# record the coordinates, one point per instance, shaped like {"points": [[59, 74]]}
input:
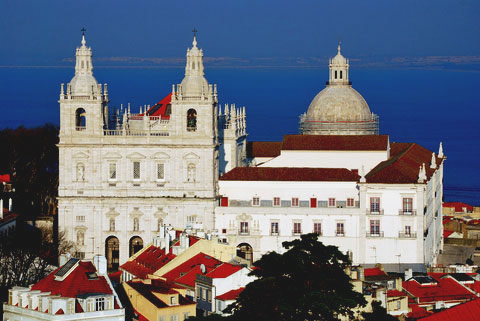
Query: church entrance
{"points": [[112, 253], [245, 250], [136, 244]]}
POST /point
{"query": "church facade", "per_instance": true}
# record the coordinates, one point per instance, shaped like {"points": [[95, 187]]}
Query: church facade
{"points": [[121, 180], [185, 162]]}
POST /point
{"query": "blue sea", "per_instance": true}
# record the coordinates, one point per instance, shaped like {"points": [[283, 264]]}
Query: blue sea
{"points": [[422, 106]]}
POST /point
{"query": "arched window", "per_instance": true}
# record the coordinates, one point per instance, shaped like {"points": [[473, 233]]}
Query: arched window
{"points": [[136, 244], [80, 120], [112, 253], [80, 172], [341, 74], [136, 224], [191, 172], [245, 251], [192, 120], [80, 238], [335, 74]]}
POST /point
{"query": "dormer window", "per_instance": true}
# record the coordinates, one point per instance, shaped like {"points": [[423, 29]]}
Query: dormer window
{"points": [[100, 304]]}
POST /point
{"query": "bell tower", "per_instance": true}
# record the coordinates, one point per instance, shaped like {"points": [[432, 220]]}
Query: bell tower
{"points": [[83, 103]]}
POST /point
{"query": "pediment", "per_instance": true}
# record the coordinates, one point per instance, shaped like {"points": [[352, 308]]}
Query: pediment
{"points": [[81, 228], [191, 156], [136, 156], [160, 155], [112, 155], [244, 217], [80, 155]]}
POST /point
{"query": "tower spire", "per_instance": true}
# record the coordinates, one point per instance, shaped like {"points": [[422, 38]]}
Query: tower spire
{"points": [[84, 42]]}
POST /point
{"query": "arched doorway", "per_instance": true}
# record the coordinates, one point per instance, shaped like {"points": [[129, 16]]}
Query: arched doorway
{"points": [[112, 253], [245, 250], [136, 244]]}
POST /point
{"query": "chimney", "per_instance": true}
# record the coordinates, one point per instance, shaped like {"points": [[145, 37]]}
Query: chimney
{"points": [[100, 263], [408, 274]]}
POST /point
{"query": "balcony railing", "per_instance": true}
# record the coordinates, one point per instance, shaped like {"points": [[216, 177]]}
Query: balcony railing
{"points": [[80, 128], [244, 232], [375, 234], [296, 232], [411, 235], [407, 212], [274, 232], [375, 212], [339, 233]]}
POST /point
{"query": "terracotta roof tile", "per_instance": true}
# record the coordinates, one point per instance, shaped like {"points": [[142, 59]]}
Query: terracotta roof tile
{"points": [[76, 283], [403, 167], [224, 270], [263, 149], [445, 289], [181, 273], [373, 272], [290, 174], [160, 108], [230, 295], [459, 206], [469, 311], [335, 142], [395, 293], [157, 286], [148, 262]]}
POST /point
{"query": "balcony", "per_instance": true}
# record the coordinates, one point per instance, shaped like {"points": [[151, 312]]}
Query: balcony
{"points": [[275, 232], [411, 235], [296, 232], [339, 233], [375, 212], [80, 128], [243, 232], [375, 234], [407, 212]]}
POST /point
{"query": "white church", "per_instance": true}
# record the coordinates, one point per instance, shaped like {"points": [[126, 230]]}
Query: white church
{"points": [[185, 162]]}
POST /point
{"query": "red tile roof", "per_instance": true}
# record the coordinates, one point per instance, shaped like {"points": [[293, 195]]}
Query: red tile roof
{"points": [[417, 312], [335, 142], [459, 206], [403, 166], [263, 149], [446, 289], [181, 274], [148, 262], [395, 293], [290, 174], [76, 283], [447, 233], [160, 108], [224, 270], [469, 311], [5, 178], [373, 272], [230, 295]]}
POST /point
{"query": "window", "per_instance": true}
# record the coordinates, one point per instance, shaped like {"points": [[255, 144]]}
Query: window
{"points": [[136, 224], [160, 171], [256, 201], [398, 304], [350, 202], [186, 315], [173, 300], [161, 318], [243, 227], [71, 307], [174, 317], [407, 205], [276, 201], [341, 74], [191, 120], [80, 238], [313, 202], [204, 294], [375, 227], [136, 170], [112, 171], [112, 225], [317, 228], [340, 229], [191, 172], [335, 74], [99, 304], [80, 119], [297, 228], [408, 230], [375, 204], [209, 295], [295, 201], [331, 202], [81, 218], [199, 289], [274, 228], [224, 201]]}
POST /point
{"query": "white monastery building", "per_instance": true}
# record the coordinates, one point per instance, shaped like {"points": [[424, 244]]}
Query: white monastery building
{"points": [[185, 162]]}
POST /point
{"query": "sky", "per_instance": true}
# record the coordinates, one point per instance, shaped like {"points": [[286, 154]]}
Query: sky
{"points": [[45, 32]]}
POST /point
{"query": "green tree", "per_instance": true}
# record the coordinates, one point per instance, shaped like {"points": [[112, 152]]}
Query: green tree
{"points": [[307, 282]]}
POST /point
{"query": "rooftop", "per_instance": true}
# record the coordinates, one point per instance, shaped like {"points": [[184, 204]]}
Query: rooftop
{"points": [[148, 262], [290, 174], [230, 295], [263, 149], [148, 291], [336, 142]]}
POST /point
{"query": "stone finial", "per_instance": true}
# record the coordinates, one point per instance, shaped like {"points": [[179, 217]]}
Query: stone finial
{"points": [[339, 47], [362, 175], [226, 110], [433, 162], [420, 174], [105, 89], [61, 90], [440, 150]]}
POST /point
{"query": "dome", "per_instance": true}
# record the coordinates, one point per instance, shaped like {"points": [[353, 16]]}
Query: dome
{"points": [[338, 104], [81, 85], [194, 85]]}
